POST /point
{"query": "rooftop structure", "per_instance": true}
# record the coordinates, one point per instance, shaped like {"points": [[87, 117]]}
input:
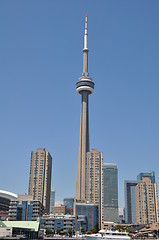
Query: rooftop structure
{"points": [[5, 198]]}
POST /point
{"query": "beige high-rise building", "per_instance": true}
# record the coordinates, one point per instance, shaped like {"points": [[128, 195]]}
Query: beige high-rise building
{"points": [[94, 180], [40, 177], [146, 199]]}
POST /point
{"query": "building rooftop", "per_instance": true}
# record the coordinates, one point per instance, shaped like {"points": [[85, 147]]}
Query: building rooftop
{"points": [[34, 225], [9, 195]]}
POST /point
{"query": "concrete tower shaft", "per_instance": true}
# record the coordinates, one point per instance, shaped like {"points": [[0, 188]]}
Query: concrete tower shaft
{"points": [[84, 87]]}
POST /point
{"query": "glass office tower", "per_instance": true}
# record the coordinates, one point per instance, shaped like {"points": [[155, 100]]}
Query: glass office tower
{"points": [[130, 201], [110, 192], [52, 200]]}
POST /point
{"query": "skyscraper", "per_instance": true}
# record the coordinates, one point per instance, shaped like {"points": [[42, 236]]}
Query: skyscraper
{"points": [[130, 201], [52, 200], [84, 86], [146, 199], [40, 177], [94, 164], [110, 193]]}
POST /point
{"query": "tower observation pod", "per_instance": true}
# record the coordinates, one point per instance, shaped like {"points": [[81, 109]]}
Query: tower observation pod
{"points": [[84, 86]]}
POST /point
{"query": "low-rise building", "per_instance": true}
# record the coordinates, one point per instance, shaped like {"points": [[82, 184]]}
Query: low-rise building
{"points": [[60, 209], [58, 223], [86, 216], [29, 229], [5, 199], [25, 209]]}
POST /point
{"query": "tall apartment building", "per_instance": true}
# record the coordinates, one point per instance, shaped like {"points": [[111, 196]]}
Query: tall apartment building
{"points": [[146, 199], [93, 188], [110, 193], [40, 177], [130, 201]]}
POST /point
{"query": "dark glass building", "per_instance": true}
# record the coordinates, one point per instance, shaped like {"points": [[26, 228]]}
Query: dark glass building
{"points": [[69, 203], [130, 201], [110, 192]]}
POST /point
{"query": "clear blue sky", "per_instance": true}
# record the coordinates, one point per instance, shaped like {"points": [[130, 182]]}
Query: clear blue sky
{"points": [[41, 46]]}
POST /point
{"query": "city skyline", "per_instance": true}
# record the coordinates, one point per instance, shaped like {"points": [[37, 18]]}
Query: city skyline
{"points": [[40, 62]]}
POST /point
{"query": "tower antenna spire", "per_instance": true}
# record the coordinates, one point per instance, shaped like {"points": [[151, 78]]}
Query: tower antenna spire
{"points": [[85, 50]]}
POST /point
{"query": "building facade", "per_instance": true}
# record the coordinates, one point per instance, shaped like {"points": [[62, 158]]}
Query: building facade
{"points": [[94, 164], [60, 209], [25, 209], [5, 199], [59, 223], [110, 193], [69, 203], [52, 200], [84, 86], [40, 177], [130, 201], [146, 199], [86, 216]]}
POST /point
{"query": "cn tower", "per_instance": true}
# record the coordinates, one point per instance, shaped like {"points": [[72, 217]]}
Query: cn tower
{"points": [[84, 86]]}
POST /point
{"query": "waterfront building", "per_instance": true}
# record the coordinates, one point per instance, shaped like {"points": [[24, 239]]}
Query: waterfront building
{"points": [[94, 164], [52, 200], [146, 199], [40, 177], [60, 209], [69, 203], [5, 199], [59, 223], [25, 209], [86, 216], [85, 87], [130, 201], [110, 193], [13, 229]]}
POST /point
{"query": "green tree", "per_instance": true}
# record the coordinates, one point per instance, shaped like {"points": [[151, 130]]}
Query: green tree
{"points": [[69, 232], [48, 231], [94, 230], [58, 230], [122, 228]]}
